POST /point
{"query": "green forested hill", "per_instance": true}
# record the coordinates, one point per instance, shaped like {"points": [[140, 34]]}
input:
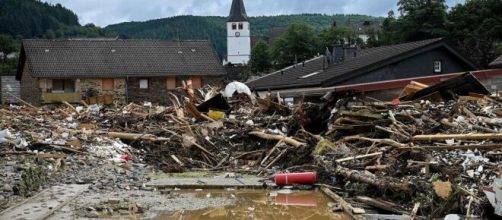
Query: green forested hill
{"points": [[34, 19], [214, 28], [31, 18]]}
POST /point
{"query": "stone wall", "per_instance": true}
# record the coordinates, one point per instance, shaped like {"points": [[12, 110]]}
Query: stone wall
{"points": [[30, 91], [157, 88], [118, 92]]}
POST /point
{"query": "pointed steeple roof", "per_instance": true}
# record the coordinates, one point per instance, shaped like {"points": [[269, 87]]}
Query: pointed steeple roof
{"points": [[238, 12]]}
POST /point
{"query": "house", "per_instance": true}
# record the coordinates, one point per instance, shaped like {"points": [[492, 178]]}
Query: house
{"points": [[346, 65], [127, 70], [497, 63], [365, 29]]}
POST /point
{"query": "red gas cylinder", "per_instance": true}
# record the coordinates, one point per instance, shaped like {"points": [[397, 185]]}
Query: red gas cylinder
{"points": [[287, 179]]}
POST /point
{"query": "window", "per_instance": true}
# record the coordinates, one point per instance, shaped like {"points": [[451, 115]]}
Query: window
{"points": [[196, 82], [63, 86], [438, 67], [107, 84], [234, 26], [143, 83], [171, 83], [241, 26]]}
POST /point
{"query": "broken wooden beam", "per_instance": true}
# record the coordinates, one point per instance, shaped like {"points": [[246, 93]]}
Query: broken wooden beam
{"points": [[382, 183], [347, 207], [359, 157], [443, 137], [275, 137], [456, 147], [381, 204]]}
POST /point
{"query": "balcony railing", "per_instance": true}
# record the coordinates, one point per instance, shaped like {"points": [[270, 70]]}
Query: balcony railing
{"points": [[59, 97]]}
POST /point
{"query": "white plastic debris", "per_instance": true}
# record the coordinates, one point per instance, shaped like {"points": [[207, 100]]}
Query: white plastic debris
{"points": [[79, 109], [452, 217], [4, 135], [239, 88], [495, 196], [94, 109]]}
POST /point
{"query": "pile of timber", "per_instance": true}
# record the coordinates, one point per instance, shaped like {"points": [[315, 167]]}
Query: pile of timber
{"points": [[433, 156], [443, 155]]}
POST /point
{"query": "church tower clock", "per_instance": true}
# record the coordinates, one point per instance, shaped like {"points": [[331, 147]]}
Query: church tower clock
{"points": [[238, 35]]}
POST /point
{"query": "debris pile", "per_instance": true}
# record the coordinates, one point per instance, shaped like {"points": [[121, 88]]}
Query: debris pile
{"points": [[434, 152], [439, 156]]}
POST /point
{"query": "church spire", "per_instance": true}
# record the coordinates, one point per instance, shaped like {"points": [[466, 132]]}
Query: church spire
{"points": [[238, 12]]}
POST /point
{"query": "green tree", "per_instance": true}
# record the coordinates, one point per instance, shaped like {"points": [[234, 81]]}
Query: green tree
{"points": [[260, 57], [389, 33], [476, 27], [7, 44], [298, 43], [422, 19], [336, 34]]}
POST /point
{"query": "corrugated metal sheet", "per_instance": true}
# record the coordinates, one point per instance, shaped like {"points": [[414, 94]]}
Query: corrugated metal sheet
{"points": [[9, 84]]}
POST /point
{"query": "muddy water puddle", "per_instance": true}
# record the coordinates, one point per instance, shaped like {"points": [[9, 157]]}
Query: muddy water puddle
{"points": [[259, 204]]}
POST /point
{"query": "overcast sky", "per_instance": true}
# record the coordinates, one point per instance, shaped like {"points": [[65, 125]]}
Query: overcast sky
{"points": [[105, 12]]}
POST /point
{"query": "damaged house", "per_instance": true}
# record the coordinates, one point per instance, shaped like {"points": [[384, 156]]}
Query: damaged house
{"points": [[346, 68], [121, 70]]}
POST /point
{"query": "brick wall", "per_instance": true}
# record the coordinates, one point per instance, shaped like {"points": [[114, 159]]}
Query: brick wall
{"points": [[30, 91], [156, 92], [118, 92]]}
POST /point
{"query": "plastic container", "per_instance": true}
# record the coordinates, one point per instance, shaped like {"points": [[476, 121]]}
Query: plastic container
{"points": [[287, 179]]}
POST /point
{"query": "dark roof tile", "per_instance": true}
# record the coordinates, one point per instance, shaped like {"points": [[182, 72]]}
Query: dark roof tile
{"points": [[295, 77], [237, 12], [112, 58]]}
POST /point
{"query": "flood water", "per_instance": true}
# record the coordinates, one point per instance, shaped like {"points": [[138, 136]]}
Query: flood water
{"points": [[252, 204]]}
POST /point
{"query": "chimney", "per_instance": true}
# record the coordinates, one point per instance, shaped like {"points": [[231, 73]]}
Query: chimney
{"points": [[349, 52], [338, 53], [342, 52]]}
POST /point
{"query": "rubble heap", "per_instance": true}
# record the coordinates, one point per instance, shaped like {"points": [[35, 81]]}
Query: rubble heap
{"points": [[431, 157]]}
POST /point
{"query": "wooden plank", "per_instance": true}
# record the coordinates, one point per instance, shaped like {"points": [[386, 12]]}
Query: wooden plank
{"points": [[347, 207], [443, 137]]}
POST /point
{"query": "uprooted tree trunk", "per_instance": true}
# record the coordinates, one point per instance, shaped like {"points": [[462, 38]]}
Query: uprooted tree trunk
{"points": [[382, 183]]}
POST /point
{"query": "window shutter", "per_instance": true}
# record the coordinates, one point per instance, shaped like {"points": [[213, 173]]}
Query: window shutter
{"points": [[107, 84], [196, 82], [171, 83]]}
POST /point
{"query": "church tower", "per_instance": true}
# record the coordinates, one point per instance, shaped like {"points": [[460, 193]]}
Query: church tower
{"points": [[238, 34]]}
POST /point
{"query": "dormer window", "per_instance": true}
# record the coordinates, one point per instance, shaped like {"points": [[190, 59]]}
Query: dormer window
{"points": [[234, 26], [241, 26]]}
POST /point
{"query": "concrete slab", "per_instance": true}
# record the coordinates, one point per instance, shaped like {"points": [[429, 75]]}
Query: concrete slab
{"points": [[216, 182], [44, 204]]}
